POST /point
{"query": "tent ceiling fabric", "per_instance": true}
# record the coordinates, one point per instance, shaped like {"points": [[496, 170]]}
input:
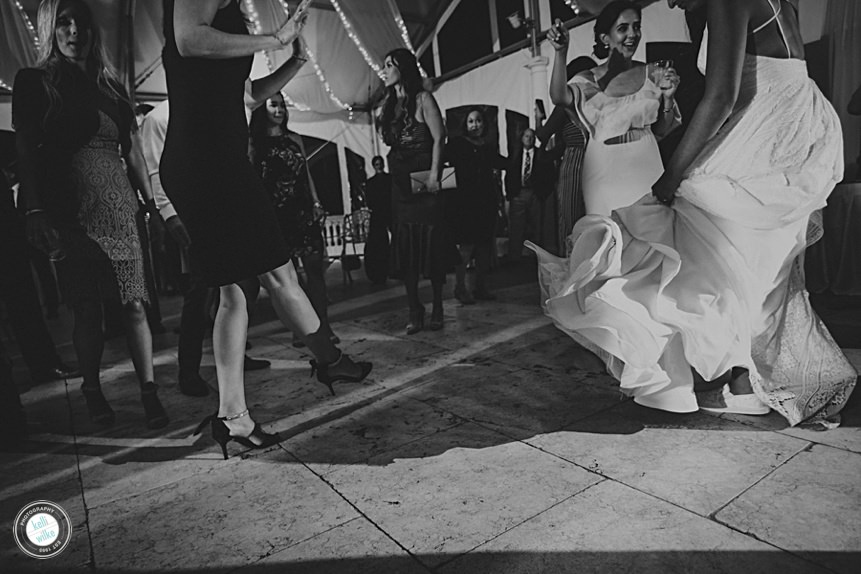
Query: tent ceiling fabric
{"points": [[349, 76]]}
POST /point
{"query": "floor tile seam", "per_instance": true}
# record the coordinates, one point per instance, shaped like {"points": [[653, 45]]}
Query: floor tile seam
{"points": [[622, 482], [387, 392], [344, 411], [362, 514], [278, 550], [461, 422], [804, 448], [91, 562], [245, 454], [524, 521], [793, 553], [816, 442]]}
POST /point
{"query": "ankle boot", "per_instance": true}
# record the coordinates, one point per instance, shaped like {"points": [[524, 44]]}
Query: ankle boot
{"points": [[320, 344], [156, 418]]}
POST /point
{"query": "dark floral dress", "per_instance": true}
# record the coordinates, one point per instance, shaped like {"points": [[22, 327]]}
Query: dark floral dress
{"points": [[282, 167]]}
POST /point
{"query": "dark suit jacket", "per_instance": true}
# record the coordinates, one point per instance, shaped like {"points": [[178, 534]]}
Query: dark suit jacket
{"points": [[543, 172]]}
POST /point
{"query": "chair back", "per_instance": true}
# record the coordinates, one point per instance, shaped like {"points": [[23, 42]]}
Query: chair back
{"points": [[333, 235]]}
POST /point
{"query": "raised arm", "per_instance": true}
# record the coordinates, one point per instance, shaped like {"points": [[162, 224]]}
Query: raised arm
{"points": [[261, 89], [728, 21], [433, 118], [196, 38], [560, 93]]}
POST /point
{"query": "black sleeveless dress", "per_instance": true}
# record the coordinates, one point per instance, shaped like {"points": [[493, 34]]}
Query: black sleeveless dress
{"points": [[205, 168], [419, 238]]}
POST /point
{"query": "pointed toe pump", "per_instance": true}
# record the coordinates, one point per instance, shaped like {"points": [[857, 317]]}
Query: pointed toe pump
{"points": [[221, 433]]}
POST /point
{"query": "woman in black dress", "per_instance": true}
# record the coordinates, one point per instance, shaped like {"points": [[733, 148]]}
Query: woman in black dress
{"points": [[476, 204], [279, 157], [206, 173], [71, 117], [411, 123]]}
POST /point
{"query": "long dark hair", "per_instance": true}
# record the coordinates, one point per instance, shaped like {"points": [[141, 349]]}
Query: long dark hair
{"points": [[260, 121], [98, 66], [579, 64], [606, 19], [389, 123]]}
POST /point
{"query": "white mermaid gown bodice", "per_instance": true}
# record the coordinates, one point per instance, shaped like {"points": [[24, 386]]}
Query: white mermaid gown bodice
{"points": [[619, 173]]}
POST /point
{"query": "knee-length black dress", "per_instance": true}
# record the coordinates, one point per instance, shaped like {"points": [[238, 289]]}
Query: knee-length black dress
{"points": [[419, 241], [205, 169]]}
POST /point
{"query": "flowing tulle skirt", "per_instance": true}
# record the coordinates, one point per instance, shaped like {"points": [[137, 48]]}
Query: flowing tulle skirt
{"points": [[717, 281]]}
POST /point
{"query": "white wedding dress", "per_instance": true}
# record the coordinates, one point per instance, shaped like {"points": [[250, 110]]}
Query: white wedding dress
{"points": [[717, 280]]}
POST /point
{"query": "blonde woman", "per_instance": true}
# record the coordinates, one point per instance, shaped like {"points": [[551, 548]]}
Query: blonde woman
{"points": [[71, 115]]}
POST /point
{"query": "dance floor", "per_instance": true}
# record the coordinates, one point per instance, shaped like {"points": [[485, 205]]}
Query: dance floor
{"points": [[488, 447]]}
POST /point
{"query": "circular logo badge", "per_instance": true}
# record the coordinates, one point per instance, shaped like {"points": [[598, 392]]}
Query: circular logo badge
{"points": [[42, 529]]}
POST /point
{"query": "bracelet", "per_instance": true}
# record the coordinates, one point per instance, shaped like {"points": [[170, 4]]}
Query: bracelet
{"points": [[33, 211], [669, 110], [234, 417], [318, 204], [300, 58]]}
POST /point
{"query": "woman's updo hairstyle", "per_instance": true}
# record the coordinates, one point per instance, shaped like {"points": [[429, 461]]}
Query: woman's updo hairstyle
{"points": [[606, 19]]}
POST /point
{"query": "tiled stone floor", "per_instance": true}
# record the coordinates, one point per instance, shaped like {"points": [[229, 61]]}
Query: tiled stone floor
{"points": [[488, 447]]}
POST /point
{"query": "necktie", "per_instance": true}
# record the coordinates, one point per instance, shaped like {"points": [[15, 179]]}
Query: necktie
{"points": [[527, 167]]}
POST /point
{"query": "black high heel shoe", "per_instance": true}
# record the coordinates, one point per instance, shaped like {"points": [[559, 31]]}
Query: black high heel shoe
{"points": [[436, 319], [221, 433], [331, 373], [98, 407], [417, 321], [156, 418]]}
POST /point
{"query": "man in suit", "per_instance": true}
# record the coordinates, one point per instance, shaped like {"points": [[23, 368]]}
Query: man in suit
{"points": [[528, 185]]}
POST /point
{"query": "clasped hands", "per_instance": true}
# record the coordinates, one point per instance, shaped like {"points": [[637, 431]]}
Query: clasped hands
{"points": [[290, 32]]}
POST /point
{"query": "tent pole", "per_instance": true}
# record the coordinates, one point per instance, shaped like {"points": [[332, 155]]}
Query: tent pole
{"points": [[130, 48]]}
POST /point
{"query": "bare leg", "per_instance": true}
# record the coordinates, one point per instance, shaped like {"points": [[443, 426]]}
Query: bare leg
{"points": [[139, 339], [315, 287], [291, 304], [228, 345]]}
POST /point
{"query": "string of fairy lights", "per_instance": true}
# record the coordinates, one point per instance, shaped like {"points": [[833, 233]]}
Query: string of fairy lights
{"points": [[254, 19], [34, 36], [574, 5], [355, 38], [32, 29], [405, 36], [313, 59]]}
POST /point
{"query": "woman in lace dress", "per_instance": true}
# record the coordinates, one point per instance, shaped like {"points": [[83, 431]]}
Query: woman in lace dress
{"points": [[279, 157], [706, 282], [72, 120]]}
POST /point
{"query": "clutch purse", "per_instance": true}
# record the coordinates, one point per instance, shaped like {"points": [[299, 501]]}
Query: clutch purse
{"points": [[418, 180]]}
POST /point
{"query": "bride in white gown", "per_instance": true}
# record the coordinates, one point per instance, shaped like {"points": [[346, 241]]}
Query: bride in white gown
{"points": [[709, 276]]}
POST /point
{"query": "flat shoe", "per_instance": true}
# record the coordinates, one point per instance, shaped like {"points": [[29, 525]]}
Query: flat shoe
{"points": [[740, 404]]}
